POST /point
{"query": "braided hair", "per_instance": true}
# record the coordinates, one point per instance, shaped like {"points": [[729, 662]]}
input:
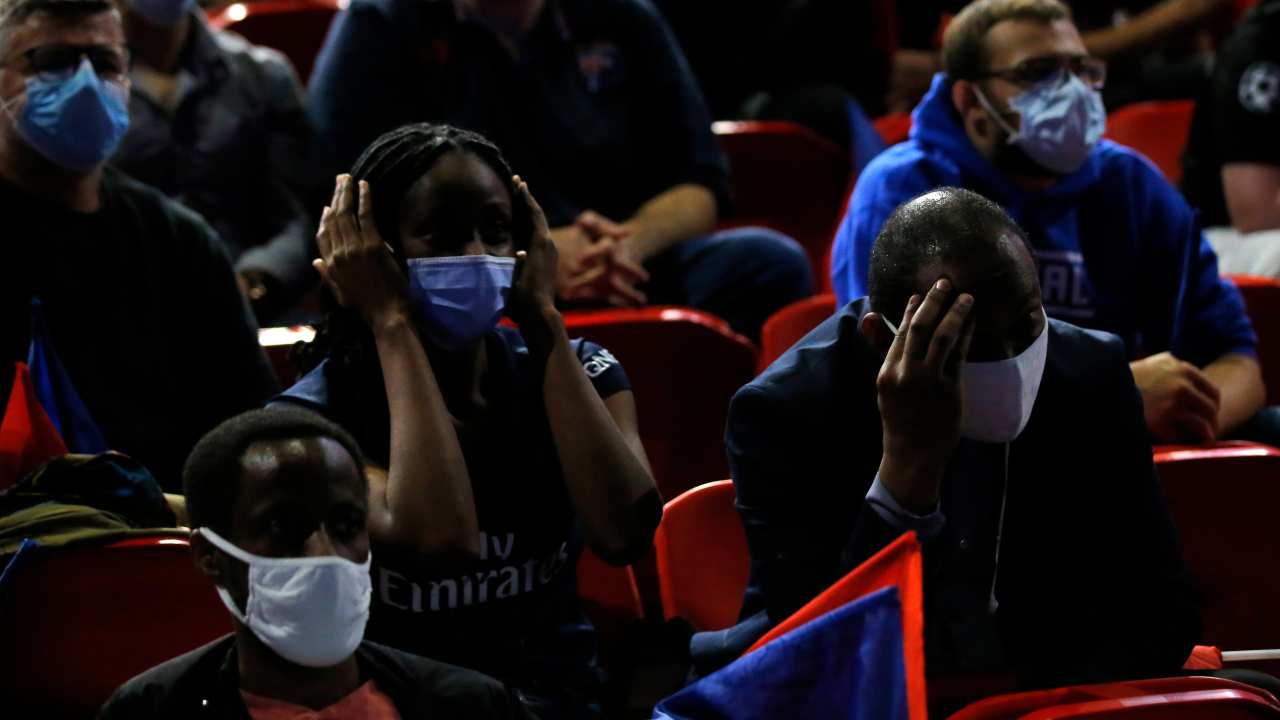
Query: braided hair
{"points": [[391, 165]]}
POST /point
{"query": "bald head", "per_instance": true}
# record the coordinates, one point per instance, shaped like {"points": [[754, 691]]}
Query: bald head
{"points": [[971, 241]]}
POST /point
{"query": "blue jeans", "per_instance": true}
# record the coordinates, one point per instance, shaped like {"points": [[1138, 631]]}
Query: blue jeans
{"points": [[743, 275]]}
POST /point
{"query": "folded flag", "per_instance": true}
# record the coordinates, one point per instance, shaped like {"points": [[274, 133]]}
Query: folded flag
{"points": [[56, 392], [27, 436], [855, 651]]}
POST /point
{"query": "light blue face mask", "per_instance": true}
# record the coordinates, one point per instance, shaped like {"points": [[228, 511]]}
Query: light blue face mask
{"points": [[164, 13], [75, 119], [459, 299], [1062, 120]]}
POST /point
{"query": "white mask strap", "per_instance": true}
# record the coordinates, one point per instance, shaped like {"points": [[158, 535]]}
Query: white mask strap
{"points": [[995, 114]]}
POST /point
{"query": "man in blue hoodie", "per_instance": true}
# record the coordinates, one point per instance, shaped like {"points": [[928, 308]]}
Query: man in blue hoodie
{"points": [[1016, 116]]}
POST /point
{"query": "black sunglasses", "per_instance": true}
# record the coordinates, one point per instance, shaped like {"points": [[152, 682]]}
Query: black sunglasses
{"points": [[1034, 71], [109, 61]]}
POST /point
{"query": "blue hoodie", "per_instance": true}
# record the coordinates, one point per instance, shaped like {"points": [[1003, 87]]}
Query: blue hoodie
{"points": [[1119, 249]]}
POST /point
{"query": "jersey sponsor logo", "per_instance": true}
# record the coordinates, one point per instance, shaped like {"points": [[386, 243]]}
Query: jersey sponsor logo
{"points": [[598, 362], [1259, 88], [399, 591], [1064, 286]]}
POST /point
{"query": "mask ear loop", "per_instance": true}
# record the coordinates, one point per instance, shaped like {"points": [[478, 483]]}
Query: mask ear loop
{"points": [[993, 604], [996, 115]]}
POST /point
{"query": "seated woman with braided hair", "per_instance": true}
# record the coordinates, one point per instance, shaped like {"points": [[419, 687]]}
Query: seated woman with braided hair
{"points": [[503, 450]]}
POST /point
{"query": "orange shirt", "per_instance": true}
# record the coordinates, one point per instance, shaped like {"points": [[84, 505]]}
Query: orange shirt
{"points": [[366, 702]]}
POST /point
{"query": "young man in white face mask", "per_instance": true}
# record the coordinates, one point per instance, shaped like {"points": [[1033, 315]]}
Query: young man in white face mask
{"points": [[1013, 444], [1017, 116], [279, 501]]}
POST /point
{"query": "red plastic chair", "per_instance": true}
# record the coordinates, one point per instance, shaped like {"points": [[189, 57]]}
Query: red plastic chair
{"points": [[791, 323], [703, 562], [1223, 502], [1262, 300], [610, 598], [296, 28], [80, 621], [684, 367], [785, 177], [1158, 698], [894, 127], [1157, 129]]}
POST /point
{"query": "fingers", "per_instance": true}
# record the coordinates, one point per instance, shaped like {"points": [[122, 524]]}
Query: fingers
{"points": [[629, 269], [1191, 401], [623, 293], [364, 215], [538, 219], [1203, 383], [920, 331], [601, 226], [1195, 428], [961, 352], [947, 334], [899, 344], [323, 243]]}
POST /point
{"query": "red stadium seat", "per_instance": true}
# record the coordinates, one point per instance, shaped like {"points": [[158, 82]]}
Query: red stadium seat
{"points": [[791, 323], [684, 367], [609, 597], [1180, 697], [785, 177], [81, 620], [1157, 129], [894, 127], [702, 557], [1262, 299], [1223, 501], [296, 28]]}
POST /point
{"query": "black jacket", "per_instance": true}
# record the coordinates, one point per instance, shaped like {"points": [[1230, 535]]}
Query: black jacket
{"points": [[204, 683], [1091, 582]]}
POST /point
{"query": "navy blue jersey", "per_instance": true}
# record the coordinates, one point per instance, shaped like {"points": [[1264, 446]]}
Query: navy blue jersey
{"points": [[514, 612]]}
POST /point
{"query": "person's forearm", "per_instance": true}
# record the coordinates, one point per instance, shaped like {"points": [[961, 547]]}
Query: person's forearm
{"points": [[1151, 27], [1239, 380], [429, 505], [604, 475], [670, 218]]}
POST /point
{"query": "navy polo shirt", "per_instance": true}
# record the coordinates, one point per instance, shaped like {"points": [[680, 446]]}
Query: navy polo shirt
{"points": [[596, 107]]}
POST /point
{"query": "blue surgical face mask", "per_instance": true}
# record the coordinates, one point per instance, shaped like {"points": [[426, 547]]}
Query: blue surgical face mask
{"points": [[164, 13], [459, 299], [75, 119], [1062, 120]]}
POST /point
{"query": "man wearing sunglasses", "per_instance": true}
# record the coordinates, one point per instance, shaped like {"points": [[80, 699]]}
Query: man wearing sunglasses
{"points": [[1017, 116], [138, 298]]}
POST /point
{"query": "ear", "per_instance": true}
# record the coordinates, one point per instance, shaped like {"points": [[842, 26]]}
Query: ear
{"points": [[205, 557], [972, 114], [876, 332]]}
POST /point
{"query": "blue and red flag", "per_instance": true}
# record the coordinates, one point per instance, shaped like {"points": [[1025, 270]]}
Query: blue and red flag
{"points": [[56, 392], [855, 651]]}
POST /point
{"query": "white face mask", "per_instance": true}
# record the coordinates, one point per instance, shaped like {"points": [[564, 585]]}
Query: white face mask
{"points": [[999, 395], [310, 611]]}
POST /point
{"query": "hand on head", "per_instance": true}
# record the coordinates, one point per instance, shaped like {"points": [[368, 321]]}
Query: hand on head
{"points": [[354, 261]]}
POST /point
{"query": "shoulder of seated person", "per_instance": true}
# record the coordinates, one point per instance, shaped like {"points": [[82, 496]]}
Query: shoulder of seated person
{"points": [[433, 677], [240, 49], [1088, 350], [168, 678]]}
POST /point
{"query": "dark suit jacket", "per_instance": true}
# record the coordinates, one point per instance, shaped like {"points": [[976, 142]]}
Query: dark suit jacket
{"points": [[1091, 583]]}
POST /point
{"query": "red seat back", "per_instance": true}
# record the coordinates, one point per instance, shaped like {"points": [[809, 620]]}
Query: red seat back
{"points": [[1262, 300], [1157, 129], [791, 323], [610, 598], [296, 28], [702, 557], [80, 621], [1223, 704], [684, 367], [786, 177], [894, 127], [1032, 704], [1223, 502]]}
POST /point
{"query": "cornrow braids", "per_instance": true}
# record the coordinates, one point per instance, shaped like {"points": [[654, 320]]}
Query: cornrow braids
{"points": [[391, 165]]}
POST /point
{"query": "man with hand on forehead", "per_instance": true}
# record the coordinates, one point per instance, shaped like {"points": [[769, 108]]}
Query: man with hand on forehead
{"points": [[280, 503], [1013, 444]]}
